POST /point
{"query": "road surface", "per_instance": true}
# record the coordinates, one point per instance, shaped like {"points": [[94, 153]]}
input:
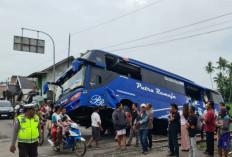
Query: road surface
{"points": [[107, 144]]}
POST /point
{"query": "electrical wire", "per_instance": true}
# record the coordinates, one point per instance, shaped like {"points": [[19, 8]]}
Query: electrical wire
{"points": [[116, 18], [172, 40], [168, 31], [191, 31]]}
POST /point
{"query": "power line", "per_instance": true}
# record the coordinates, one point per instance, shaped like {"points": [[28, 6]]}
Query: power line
{"points": [[186, 32], [116, 18], [176, 39], [168, 31]]}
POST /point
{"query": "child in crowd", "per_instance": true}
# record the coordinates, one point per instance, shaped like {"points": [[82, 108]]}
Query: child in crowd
{"points": [[65, 128], [191, 125], [223, 123]]}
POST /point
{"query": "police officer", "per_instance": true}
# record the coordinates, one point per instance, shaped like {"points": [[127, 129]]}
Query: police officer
{"points": [[27, 129]]}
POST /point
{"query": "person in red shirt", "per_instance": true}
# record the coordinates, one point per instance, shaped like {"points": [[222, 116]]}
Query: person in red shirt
{"points": [[210, 128]]}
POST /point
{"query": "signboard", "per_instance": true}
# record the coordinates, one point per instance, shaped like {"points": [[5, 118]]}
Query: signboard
{"points": [[29, 44]]}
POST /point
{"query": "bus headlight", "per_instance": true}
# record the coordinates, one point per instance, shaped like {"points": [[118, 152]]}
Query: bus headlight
{"points": [[74, 97]]}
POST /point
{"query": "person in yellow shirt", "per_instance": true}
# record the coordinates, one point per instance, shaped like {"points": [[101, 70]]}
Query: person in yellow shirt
{"points": [[27, 129]]}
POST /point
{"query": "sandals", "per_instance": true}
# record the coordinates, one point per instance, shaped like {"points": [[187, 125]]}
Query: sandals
{"points": [[118, 148], [123, 149]]}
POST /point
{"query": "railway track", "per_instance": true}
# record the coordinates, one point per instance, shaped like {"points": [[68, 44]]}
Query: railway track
{"points": [[179, 138]]}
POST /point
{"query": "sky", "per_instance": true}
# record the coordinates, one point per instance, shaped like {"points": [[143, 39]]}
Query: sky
{"points": [[137, 19]]}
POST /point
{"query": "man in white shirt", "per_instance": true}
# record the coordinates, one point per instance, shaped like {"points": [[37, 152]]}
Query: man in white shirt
{"points": [[96, 127]]}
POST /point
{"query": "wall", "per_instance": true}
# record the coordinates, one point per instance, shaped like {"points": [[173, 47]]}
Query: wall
{"points": [[59, 70]]}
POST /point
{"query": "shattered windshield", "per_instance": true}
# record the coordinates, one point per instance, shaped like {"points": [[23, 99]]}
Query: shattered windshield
{"points": [[77, 80]]}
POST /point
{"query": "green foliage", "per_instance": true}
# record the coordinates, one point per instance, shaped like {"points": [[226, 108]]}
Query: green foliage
{"points": [[210, 69], [223, 77], [83, 53], [229, 104], [201, 145]]}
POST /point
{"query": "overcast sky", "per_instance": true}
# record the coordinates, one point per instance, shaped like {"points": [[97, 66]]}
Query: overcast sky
{"points": [[185, 57]]}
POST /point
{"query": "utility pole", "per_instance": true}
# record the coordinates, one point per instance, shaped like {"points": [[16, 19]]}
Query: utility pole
{"points": [[69, 41]]}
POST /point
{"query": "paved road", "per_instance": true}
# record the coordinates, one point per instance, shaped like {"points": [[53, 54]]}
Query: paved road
{"points": [[107, 144]]}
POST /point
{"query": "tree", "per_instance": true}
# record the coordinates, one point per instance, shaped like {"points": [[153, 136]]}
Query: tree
{"points": [[220, 80], [229, 71], [222, 64], [223, 77], [210, 69], [83, 53]]}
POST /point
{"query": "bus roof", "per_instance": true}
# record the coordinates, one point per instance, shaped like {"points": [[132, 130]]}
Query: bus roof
{"points": [[155, 69]]}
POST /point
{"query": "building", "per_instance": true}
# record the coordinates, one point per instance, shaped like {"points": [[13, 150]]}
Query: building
{"points": [[46, 75], [27, 86], [3, 88], [19, 88]]}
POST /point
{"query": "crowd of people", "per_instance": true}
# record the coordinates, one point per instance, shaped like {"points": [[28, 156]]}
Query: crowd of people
{"points": [[191, 124], [187, 122], [140, 122]]}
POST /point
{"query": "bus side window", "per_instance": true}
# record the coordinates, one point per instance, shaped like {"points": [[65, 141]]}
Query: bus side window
{"points": [[193, 92], [99, 79]]}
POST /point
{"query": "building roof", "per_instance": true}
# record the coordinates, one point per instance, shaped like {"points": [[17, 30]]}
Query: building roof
{"points": [[26, 84], [45, 71]]}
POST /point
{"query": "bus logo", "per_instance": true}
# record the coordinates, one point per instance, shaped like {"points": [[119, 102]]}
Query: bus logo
{"points": [[97, 100]]}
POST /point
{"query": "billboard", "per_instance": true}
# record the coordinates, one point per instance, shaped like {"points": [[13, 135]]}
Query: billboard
{"points": [[29, 44]]}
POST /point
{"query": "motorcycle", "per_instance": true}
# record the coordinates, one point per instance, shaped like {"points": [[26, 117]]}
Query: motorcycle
{"points": [[74, 141]]}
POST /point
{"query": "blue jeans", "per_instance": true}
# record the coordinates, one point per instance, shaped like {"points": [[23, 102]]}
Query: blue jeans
{"points": [[143, 139], [173, 143]]}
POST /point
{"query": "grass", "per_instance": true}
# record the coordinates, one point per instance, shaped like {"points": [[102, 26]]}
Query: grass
{"points": [[201, 145], [229, 104]]}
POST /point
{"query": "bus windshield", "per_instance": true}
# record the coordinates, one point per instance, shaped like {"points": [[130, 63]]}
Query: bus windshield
{"points": [[72, 82]]}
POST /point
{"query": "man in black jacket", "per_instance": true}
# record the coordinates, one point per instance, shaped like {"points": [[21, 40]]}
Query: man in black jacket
{"points": [[119, 120], [174, 128]]}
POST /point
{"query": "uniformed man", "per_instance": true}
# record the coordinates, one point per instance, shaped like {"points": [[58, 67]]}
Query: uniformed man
{"points": [[27, 129]]}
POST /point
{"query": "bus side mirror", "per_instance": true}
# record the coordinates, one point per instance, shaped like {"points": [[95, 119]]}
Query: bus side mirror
{"points": [[75, 65], [45, 88]]}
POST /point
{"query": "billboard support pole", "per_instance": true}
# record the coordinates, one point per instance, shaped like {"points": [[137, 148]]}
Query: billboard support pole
{"points": [[22, 32], [53, 51], [69, 40]]}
